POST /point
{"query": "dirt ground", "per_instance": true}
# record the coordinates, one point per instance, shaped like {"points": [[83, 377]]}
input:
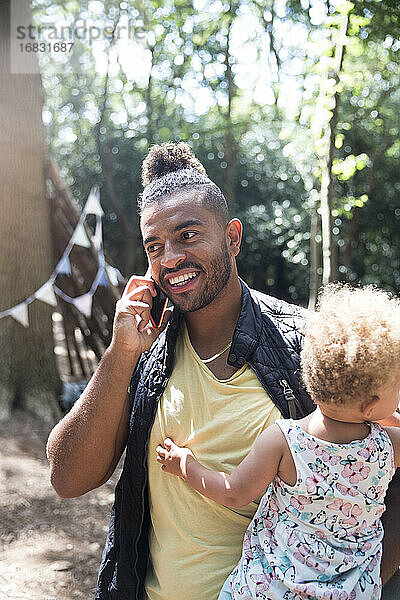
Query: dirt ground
{"points": [[50, 548]]}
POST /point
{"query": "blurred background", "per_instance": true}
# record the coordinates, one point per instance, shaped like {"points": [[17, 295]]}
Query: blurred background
{"points": [[292, 106]]}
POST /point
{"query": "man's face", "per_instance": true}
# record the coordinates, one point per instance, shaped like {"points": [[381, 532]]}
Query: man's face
{"points": [[187, 251]]}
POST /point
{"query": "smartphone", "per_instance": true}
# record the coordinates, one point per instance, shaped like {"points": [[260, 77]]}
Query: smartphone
{"points": [[158, 308]]}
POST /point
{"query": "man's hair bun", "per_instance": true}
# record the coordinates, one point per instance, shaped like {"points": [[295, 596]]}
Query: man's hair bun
{"points": [[172, 168], [167, 158]]}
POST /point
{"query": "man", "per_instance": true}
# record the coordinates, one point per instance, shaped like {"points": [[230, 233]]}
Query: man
{"points": [[223, 368]]}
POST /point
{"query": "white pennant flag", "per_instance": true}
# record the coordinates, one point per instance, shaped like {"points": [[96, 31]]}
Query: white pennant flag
{"points": [[120, 277], [112, 274], [64, 266], [103, 281], [20, 314], [97, 238], [46, 294], [79, 237], [84, 304], [93, 206]]}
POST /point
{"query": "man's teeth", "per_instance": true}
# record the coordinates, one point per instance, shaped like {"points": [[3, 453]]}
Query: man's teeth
{"points": [[182, 279]]}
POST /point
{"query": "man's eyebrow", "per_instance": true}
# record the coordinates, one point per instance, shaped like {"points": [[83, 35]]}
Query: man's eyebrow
{"points": [[188, 223], [151, 238]]}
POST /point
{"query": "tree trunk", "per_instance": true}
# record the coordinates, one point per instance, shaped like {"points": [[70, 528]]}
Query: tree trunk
{"points": [[28, 374], [314, 260], [231, 150], [329, 270], [149, 102]]}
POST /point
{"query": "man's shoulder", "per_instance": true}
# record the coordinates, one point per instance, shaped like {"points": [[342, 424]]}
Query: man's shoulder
{"points": [[275, 308]]}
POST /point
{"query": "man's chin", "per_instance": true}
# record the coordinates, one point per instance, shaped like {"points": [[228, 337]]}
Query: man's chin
{"points": [[183, 306], [193, 305], [183, 302]]}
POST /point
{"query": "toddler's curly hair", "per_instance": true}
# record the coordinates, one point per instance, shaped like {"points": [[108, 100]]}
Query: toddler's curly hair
{"points": [[352, 344]]}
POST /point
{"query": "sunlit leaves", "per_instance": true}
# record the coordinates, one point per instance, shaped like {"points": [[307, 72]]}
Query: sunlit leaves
{"points": [[169, 81], [344, 169]]}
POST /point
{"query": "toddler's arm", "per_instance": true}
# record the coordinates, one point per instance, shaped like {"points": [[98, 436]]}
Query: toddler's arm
{"points": [[248, 481]]}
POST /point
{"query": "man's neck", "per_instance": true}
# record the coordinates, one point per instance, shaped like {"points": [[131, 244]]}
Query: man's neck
{"points": [[212, 327]]}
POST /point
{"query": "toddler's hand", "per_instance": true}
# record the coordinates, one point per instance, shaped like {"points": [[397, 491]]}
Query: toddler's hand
{"points": [[173, 458]]}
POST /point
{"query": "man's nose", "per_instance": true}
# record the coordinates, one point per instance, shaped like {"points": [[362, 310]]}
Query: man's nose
{"points": [[172, 256]]}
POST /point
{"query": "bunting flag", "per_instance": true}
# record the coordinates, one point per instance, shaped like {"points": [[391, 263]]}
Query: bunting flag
{"points": [[84, 304], [20, 314], [93, 206], [102, 260], [96, 280], [46, 294], [103, 281], [105, 275], [79, 236], [97, 238], [114, 275], [64, 266]]}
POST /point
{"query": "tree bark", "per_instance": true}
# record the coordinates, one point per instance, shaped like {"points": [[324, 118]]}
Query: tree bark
{"points": [[28, 374], [329, 270], [231, 150], [149, 101], [314, 260]]}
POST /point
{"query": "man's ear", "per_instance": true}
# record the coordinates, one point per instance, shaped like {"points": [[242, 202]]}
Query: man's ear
{"points": [[368, 405], [234, 231]]}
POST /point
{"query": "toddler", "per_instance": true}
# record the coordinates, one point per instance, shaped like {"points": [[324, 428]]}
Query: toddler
{"points": [[317, 531]]}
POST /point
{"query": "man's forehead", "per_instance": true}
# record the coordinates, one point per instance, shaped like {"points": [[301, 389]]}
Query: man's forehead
{"points": [[169, 213]]}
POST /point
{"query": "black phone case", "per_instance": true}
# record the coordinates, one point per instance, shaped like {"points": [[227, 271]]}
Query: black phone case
{"points": [[158, 307]]}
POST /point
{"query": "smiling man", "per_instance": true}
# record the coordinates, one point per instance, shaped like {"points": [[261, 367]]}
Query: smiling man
{"points": [[213, 377], [188, 241]]}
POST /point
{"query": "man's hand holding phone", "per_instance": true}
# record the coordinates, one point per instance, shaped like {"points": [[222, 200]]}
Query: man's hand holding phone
{"points": [[134, 328], [84, 448]]}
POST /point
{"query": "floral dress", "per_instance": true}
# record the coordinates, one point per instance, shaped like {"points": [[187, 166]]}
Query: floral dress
{"points": [[320, 538]]}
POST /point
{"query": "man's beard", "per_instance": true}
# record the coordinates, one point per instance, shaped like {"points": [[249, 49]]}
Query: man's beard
{"points": [[220, 269]]}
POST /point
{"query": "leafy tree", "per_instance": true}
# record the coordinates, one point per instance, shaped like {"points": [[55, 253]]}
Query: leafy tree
{"points": [[241, 80]]}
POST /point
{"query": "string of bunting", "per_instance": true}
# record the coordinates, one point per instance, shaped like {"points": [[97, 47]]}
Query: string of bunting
{"points": [[105, 273]]}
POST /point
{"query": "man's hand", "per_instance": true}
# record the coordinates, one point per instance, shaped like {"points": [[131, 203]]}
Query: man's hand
{"points": [[174, 459], [84, 448], [132, 330]]}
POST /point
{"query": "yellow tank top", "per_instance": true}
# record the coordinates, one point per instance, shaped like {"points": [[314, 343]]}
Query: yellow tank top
{"points": [[195, 542]]}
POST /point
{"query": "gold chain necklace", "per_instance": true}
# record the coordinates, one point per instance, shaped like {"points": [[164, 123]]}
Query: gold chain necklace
{"points": [[208, 360]]}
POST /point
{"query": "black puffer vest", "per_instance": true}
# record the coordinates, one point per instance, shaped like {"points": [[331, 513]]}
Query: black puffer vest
{"points": [[268, 337]]}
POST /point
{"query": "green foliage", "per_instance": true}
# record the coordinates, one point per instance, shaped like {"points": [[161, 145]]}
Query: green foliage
{"points": [[346, 168], [241, 82]]}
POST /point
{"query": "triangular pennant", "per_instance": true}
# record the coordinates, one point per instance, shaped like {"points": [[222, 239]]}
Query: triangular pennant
{"points": [[97, 238], [63, 267], [120, 277], [84, 304], [112, 274], [46, 294], [93, 206], [79, 237], [20, 314], [102, 260], [103, 281]]}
